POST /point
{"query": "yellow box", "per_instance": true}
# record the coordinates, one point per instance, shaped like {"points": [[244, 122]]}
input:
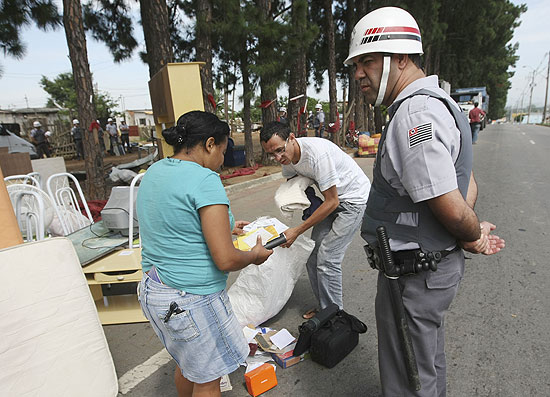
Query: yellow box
{"points": [[261, 379]]}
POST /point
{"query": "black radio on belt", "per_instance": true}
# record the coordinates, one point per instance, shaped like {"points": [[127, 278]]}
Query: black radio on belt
{"points": [[405, 262]]}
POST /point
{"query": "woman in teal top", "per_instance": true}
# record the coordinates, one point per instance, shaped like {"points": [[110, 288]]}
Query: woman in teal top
{"points": [[185, 227]]}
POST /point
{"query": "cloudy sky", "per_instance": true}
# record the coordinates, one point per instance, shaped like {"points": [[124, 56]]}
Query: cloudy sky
{"points": [[47, 55]]}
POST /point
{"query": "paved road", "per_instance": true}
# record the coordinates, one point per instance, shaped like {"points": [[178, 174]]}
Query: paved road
{"points": [[497, 327]]}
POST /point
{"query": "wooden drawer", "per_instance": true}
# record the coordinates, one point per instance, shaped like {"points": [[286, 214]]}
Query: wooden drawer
{"points": [[114, 277]]}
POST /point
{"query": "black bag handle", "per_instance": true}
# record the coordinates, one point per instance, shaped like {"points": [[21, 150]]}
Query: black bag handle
{"points": [[356, 324]]}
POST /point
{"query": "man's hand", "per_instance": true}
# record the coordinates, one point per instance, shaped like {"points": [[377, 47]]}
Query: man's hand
{"points": [[487, 244], [238, 229], [291, 236]]}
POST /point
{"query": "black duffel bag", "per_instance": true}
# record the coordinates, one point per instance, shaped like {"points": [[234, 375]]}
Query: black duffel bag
{"points": [[336, 338]]}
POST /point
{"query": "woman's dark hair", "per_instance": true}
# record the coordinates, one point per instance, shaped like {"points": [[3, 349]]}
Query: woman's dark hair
{"points": [[194, 128]]}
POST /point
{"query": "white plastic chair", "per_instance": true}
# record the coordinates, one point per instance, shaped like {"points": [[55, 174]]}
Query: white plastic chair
{"points": [[66, 202], [131, 245], [23, 179], [33, 209]]}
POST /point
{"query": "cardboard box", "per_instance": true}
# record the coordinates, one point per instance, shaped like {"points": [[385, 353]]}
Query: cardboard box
{"points": [[261, 379]]}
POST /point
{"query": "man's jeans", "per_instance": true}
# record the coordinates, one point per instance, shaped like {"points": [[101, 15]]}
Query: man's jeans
{"points": [[332, 237], [475, 127]]}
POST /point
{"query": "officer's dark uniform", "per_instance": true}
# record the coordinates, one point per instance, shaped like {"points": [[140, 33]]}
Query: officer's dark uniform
{"points": [[422, 155]]}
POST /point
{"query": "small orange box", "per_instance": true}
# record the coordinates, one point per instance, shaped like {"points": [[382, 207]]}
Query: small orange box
{"points": [[261, 379]]}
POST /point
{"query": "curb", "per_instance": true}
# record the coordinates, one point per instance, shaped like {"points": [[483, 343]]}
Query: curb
{"points": [[254, 182]]}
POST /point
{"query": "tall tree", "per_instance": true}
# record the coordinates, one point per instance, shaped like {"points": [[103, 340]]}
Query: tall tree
{"points": [[331, 50], [301, 36], [204, 51], [78, 53], [156, 31]]}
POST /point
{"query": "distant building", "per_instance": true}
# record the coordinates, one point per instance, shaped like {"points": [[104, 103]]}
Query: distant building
{"points": [[140, 118], [19, 121]]}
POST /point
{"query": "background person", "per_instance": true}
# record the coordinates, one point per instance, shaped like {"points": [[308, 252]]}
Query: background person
{"points": [[113, 137], [319, 121], [125, 136], [423, 192], [345, 189], [476, 117], [76, 133], [185, 227], [40, 140]]}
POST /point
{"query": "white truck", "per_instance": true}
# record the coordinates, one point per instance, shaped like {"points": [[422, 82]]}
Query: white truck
{"points": [[466, 97]]}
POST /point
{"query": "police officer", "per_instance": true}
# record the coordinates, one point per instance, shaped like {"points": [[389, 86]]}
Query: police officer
{"points": [[76, 133], [423, 192], [39, 138], [319, 121]]}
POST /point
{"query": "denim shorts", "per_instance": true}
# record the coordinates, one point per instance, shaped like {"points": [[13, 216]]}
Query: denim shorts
{"points": [[205, 339]]}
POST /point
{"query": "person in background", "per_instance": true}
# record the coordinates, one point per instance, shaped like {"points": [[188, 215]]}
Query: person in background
{"points": [[345, 189], [40, 140], [319, 121], [125, 136], [423, 193], [113, 138], [97, 126], [282, 115], [185, 226], [76, 133], [476, 117]]}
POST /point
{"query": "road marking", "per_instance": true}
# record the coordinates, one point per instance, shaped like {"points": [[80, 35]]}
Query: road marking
{"points": [[532, 141], [141, 372]]}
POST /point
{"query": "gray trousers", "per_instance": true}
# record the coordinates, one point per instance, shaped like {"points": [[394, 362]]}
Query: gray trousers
{"points": [[426, 297], [332, 237]]}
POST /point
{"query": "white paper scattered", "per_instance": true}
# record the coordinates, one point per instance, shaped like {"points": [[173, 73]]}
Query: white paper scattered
{"points": [[249, 334], [282, 339], [265, 221], [125, 253], [225, 384], [251, 367]]}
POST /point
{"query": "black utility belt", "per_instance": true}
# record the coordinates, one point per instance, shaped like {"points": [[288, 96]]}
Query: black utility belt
{"points": [[407, 262]]}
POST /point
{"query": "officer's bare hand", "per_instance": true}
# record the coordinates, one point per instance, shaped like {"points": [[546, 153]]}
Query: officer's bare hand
{"points": [[260, 253], [291, 236], [238, 229], [495, 242]]}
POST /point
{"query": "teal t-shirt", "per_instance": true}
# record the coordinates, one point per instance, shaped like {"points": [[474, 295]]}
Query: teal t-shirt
{"points": [[168, 202]]}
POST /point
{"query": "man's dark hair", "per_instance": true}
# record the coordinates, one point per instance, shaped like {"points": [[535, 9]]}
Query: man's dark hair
{"points": [[274, 128], [416, 59], [476, 104]]}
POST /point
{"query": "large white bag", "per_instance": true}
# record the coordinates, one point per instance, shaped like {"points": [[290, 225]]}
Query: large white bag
{"points": [[260, 292]]}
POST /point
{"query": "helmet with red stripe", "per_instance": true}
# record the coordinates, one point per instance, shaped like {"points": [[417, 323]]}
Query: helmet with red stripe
{"points": [[387, 30]]}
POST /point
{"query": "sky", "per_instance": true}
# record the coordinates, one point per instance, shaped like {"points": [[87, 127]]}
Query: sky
{"points": [[127, 82]]}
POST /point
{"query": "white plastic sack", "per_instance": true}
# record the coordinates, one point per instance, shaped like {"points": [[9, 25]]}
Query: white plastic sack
{"points": [[118, 175], [260, 292]]}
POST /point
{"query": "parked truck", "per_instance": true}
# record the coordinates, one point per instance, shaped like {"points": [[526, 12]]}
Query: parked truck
{"points": [[465, 97]]}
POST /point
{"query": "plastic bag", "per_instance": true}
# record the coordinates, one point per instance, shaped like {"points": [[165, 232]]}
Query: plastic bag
{"points": [[260, 292]]}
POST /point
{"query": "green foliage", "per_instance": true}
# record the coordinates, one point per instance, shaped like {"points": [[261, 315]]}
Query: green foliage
{"points": [[16, 14], [111, 23], [62, 93]]}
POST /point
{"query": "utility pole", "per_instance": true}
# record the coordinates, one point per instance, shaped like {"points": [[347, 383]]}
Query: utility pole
{"points": [[531, 96], [546, 93]]}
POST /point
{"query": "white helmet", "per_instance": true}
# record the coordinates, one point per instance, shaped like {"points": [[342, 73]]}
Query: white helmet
{"points": [[387, 30], [318, 106], [109, 119], [48, 133], [36, 124], [75, 121], [282, 109]]}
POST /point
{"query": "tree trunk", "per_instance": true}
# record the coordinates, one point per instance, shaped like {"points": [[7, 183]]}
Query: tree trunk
{"points": [[78, 53], [204, 51], [298, 72], [333, 102], [154, 18], [268, 92], [247, 94]]}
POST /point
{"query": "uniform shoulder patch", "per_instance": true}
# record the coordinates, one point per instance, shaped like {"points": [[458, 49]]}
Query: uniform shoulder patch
{"points": [[422, 133]]}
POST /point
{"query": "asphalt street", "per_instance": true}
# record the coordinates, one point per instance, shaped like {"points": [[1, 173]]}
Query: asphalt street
{"points": [[497, 340]]}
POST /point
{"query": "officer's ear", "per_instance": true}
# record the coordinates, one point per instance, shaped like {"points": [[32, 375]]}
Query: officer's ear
{"points": [[402, 60]]}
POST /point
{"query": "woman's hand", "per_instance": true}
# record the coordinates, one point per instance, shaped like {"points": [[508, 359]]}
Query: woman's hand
{"points": [[260, 253], [238, 229]]}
